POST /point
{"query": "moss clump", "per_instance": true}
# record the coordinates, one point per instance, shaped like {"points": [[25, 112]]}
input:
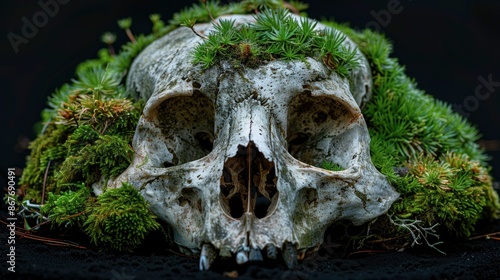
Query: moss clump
{"points": [[204, 13], [451, 191], [106, 157], [275, 35], [88, 133], [120, 220], [69, 208], [46, 149]]}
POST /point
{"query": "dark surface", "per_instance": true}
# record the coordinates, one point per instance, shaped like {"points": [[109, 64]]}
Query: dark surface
{"points": [[445, 45], [475, 259]]}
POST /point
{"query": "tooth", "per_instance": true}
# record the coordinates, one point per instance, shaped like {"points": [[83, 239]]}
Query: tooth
{"points": [[204, 263], [241, 257], [289, 255], [271, 251], [208, 255], [255, 254]]}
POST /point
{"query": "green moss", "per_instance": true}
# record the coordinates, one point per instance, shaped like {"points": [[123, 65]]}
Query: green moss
{"points": [[451, 191], [259, 5], [120, 220], [331, 166], [69, 208], [200, 13], [46, 149], [108, 157], [275, 35], [88, 130]]}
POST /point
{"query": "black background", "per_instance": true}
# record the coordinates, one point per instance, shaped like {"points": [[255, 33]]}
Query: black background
{"points": [[445, 45]]}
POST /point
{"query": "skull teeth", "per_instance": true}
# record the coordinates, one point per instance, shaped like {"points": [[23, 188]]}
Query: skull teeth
{"points": [[290, 255], [245, 254], [271, 251], [256, 255], [208, 255], [241, 257]]}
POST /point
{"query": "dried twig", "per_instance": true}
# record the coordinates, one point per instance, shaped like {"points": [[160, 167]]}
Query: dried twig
{"points": [[488, 236], [50, 241], [36, 226], [24, 233], [45, 181]]}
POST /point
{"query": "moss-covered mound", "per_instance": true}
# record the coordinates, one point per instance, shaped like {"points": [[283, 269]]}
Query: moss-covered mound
{"points": [[427, 151]]}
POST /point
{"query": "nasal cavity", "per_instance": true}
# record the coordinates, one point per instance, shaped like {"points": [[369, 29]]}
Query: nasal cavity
{"points": [[248, 184]]}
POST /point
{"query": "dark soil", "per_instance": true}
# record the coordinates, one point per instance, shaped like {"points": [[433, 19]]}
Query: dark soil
{"points": [[465, 259]]}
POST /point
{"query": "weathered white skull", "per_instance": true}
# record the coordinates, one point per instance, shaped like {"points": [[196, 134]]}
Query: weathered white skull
{"points": [[228, 156]]}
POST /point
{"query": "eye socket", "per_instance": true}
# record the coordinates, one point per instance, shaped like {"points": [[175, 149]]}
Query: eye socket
{"points": [[205, 141], [318, 130], [297, 139], [187, 125]]}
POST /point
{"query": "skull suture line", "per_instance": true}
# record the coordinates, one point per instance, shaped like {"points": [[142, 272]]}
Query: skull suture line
{"points": [[227, 156]]}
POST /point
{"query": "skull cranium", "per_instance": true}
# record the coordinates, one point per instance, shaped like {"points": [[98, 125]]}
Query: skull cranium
{"points": [[228, 156]]}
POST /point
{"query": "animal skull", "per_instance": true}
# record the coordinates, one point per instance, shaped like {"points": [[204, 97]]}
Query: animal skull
{"points": [[228, 156]]}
